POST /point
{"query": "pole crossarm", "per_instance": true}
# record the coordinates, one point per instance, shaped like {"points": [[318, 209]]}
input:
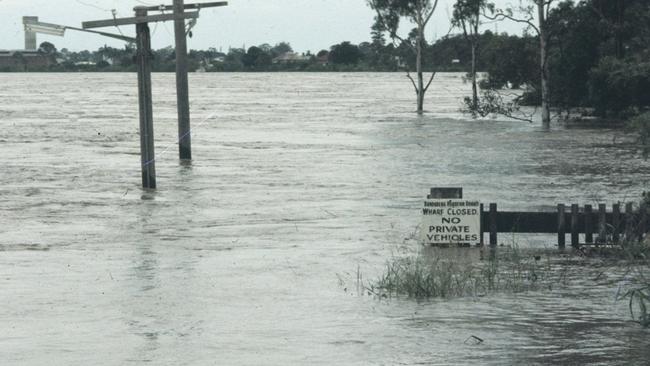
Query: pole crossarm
{"points": [[59, 30], [45, 28], [138, 20], [187, 6]]}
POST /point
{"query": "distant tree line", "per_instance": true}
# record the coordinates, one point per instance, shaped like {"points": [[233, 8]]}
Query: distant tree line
{"points": [[449, 53]]}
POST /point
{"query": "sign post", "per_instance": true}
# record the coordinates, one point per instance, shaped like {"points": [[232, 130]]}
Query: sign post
{"points": [[450, 221]]}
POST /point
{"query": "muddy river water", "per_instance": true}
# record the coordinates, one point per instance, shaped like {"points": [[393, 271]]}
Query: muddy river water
{"points": [[246, 255]]}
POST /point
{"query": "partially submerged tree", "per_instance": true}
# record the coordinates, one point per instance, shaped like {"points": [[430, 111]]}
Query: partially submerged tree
{"points": [[467, 16], [535, 16], [419, 12]]}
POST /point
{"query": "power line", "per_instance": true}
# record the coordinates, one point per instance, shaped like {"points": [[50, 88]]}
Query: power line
{"points": [[91, 5], [188, 133]]}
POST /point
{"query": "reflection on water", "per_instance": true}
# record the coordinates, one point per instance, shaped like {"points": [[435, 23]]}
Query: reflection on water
{"points": [[298, 178]]}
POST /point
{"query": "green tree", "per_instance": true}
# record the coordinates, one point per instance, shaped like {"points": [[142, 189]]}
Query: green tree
{"points": [[535, 16], [280, 49], [345, 53], [233, 60], [509, 61], [467, 16], [47, 48], [256, 59], [419, 12], [620, 87], [576, 36]]}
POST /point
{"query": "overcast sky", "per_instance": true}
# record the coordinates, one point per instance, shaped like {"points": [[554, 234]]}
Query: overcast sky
{"points": [[306, 24]]}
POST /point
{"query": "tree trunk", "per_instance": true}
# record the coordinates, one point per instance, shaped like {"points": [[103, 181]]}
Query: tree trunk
{"points": [[474, 87], [546, 113], [418, 65], [620, 14]]}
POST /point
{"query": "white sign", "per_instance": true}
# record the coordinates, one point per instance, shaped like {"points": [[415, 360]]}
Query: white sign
{"points": [[451, 221]]}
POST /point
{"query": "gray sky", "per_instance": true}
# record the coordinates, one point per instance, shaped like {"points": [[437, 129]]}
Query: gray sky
{"points": [[306, 24]]}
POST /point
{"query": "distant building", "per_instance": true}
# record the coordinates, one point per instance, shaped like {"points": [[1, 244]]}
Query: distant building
{"points": [[291, 57], [85, 63], [20, 60], [400, 62], [323, 58], [455, 61]]}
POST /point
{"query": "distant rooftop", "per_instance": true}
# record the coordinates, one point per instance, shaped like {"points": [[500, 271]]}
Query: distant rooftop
{"points": [[24, 52]]}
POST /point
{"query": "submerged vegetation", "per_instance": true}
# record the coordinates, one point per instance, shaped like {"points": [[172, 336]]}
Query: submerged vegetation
{"points": [[636, 251], [434, 274], [639, 296]]}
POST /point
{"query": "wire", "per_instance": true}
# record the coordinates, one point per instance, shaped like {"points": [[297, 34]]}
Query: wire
{"points": [[165, 25], [188, 133], [92, 5], [114, 13], [155, 28]]}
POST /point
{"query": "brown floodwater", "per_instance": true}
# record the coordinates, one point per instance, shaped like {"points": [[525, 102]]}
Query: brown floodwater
{"points": [[243, 256]]}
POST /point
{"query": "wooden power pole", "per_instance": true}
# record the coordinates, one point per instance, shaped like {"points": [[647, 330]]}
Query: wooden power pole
{"points": [[182, 88], [147, 155], [143, 41]]}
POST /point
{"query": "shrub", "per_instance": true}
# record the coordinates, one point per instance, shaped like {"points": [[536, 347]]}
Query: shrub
{"points": [[618, 86]]}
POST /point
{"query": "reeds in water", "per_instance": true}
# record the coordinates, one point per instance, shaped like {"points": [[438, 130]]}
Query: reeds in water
{"points": [[436, 275]]}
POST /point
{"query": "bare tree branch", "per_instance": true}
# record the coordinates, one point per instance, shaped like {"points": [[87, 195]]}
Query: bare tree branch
{"points": [[433, 9], [433, 74], [501, 16], [408, 74]]}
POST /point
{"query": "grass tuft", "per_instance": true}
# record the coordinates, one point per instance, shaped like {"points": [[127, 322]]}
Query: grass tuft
{"points": [[434, 274]]}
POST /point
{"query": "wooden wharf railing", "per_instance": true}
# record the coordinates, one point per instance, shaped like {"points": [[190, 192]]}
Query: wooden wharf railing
{"points": [[610, 227]]}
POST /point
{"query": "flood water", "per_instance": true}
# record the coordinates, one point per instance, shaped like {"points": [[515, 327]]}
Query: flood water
{"points": [[299, 180]]}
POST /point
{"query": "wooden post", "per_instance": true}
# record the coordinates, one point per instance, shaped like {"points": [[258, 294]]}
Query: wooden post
{"points": [[451, 193], [602, 223], [482, 242], [643, 221], [616, 222], [147, 156], [589, 225], [182, 88], [629, 222], [561, 226], [493, 224], [575, 230]]}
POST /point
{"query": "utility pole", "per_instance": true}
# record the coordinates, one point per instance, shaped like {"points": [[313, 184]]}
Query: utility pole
{"points": [[147, 155], [182, 88], [143, 41], [178, 8]]}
